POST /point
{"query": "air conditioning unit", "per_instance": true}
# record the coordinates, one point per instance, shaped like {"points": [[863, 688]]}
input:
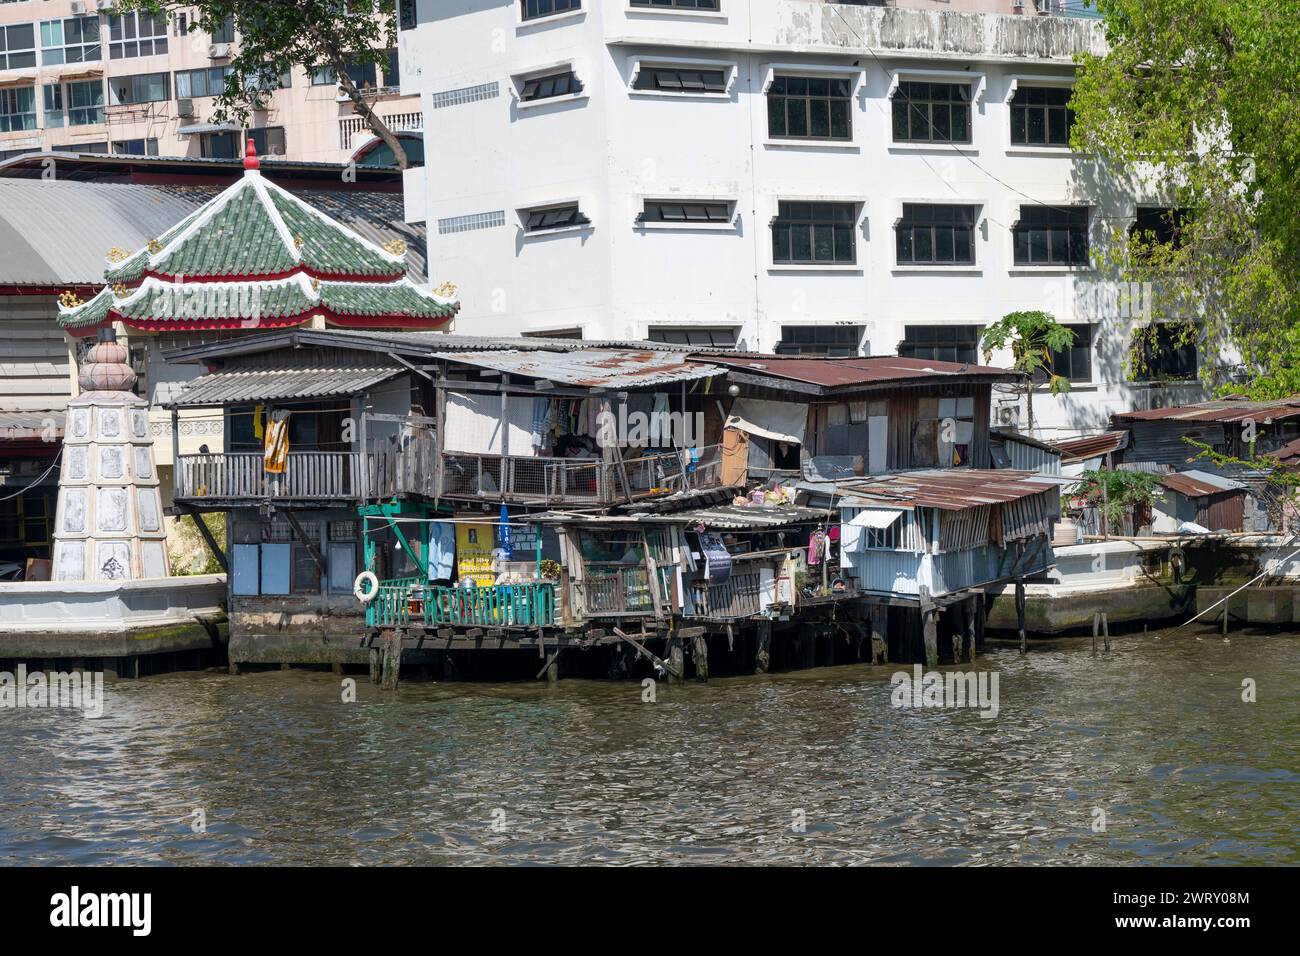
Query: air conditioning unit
{"points": [[1007, 415], [185, 109], [106, 6], [78, 8], [218, 51]]}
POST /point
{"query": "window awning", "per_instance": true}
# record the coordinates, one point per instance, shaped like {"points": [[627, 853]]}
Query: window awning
{"points": [[875, 517], [779, 421], [209, 128]]}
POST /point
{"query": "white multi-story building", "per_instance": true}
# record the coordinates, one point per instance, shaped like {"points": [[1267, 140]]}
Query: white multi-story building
{"points": [[803, 177], [83, 76]]}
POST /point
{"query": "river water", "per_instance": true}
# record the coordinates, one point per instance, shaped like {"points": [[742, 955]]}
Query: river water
{"points": [[807, 767]]}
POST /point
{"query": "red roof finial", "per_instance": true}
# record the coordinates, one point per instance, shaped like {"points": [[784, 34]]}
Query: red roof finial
{"points": [[250, 157]]}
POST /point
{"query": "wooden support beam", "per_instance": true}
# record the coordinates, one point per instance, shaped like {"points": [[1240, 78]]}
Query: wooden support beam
{"points": [[313, 547], [649, 655], [1020, 613], [392, 654], [700, 655], [210, 541], [763, 647], [971, 618], [677, 660], [879, 634], [931, 632]]}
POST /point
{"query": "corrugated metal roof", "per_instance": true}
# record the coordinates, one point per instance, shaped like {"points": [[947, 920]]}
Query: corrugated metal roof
{"points": [[591, 367], [1288, 453], [1198, 484], [1218, 411], [737, 516], [949, 489], [1090, 446], [57, 232], [15, 425], [856, 372], [272, 384]]}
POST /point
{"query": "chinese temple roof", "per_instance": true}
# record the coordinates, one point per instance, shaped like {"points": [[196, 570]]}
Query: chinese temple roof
{"points": [[256, 256]]}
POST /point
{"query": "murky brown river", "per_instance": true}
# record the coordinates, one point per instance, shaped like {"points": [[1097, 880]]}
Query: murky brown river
{"points": [[1155, 734]]}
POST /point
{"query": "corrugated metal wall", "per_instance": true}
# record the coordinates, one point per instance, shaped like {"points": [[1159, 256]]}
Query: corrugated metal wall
{"points": [[34, 373]]}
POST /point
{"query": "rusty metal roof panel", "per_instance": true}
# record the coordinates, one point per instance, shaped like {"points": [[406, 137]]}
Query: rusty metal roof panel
{"points": [[859, 372], [1218, 411], [1288, 453], [1198, 484], [949, 489], [592, 367], [1090, 446]]}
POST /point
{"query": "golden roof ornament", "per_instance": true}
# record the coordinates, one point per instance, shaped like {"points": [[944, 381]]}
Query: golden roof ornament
{"points": [[117, 254], [446, 291], [154, 246], [396, 247], [297, 243], [70, 300], [315, 284], [119, 290]]}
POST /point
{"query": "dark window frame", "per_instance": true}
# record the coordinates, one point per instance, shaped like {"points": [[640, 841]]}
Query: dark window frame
{"points": [[544, 219], [1164, 361], [941, 342], [682, 80], [549, 86], [800, 220], [538, 9], [687, 211], [1162, 223], [810, 102], [1051, 236], [1041, 111], [830, 341], [934, 227], [1067, 361], [711, 6], [920, 108], [718, 337]]}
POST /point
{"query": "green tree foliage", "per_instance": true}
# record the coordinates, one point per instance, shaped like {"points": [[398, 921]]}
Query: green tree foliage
{"points": [[277, 35], [1119, 493], [1197, 100], [1032, 338]]}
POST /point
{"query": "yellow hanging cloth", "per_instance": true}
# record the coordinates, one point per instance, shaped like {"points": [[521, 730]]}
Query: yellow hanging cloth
{"points": [[277, 443], [257, 420]]}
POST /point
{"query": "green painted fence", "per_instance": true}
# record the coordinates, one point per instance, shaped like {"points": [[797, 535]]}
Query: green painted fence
{"points": [[407, 601]]}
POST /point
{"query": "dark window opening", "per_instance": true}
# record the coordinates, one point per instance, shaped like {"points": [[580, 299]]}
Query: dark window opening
{"points": [[544, 8], [814, 233], [936, 235], [1165, 354], [1074, 362], [724, 338], [662, 80], [932, 113], [545, 87], [1041, 116], [678, 4], [831, 341], [801, 107], [1159, 226], [941, 343], [558, 217], [1048, 235], [686, 212]]}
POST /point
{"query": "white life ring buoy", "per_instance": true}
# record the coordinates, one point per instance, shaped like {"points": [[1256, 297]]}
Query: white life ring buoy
{"points": [[363, 594]]}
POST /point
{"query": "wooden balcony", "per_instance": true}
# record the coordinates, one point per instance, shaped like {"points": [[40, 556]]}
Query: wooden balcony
{"points": [[240, 477], [577, 481]]}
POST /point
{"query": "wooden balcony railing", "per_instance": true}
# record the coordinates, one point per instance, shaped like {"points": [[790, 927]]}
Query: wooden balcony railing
{"points": [[740, 596], [241, 476], [405, 601], [578, 481], [612, 591]]}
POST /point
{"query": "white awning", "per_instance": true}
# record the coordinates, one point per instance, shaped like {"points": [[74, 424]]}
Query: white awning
{"points": [[779, 421], [208, 128], [875, 517]]}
